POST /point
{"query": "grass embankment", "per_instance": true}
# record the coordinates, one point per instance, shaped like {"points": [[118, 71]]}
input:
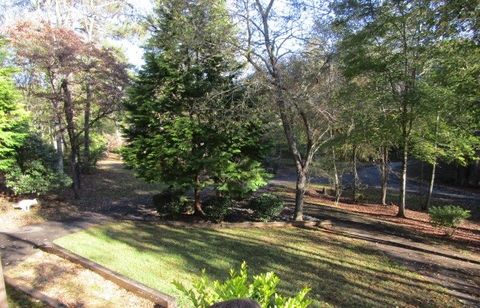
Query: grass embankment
{"points": [[340, 271]]}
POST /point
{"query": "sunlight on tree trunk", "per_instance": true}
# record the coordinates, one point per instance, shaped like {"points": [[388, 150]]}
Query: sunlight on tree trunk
{"points": [[384, 174], [403, 187]]}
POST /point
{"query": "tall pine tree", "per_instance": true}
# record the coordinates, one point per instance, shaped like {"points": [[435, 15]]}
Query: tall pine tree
{"points": [[188, 124]]}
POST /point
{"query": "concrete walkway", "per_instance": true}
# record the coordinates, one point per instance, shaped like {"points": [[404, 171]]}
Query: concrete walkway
{"points": [[16, 245]]}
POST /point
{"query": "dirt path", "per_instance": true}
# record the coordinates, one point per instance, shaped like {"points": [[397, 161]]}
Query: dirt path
{"points": [[111, 192]]}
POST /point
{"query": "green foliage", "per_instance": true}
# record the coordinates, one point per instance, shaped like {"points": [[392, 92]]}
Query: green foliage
{"points": [[13, 118], [447, 216], [188, 123], [266, 206], [98, 148], [171, 202], [240, 178], [35, 149], [216, 208], [35, 178], [262, 288], [34, 170]]}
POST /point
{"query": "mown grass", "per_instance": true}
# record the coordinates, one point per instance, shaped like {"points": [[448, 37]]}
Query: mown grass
{"points": [[341, 272]]}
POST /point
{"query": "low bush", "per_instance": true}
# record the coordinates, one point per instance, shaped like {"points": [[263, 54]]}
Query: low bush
{"points": [[216, 208], [261, 288], [34, 171], [171, 202], [449, 216], [266, 206], [36, 179]]}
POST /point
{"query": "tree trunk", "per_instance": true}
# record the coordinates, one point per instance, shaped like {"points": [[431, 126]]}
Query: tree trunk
{"points": [[403, 187], [300, 194], [434, 167], [355, 174], [338, 189], [430, 188], [78, 166], [68, 108], [300, 164], [86, 127], [384, 175], [59, 148], [58, 137], [197, 204]]}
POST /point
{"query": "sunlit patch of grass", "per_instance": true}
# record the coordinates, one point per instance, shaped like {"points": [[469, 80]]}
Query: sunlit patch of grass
{"points": [[341, 271]]}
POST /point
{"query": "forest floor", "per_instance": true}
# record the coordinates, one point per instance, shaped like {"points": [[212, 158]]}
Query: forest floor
{"points": [[112, 193]]}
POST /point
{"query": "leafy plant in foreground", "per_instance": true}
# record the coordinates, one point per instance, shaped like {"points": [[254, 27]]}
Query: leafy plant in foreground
{"points": [[262, 288]]}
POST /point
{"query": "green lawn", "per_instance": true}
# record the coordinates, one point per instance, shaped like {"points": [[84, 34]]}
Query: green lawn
{"points": [[340, 271]]}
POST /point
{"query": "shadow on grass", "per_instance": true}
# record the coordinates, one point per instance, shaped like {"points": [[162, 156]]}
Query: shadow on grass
{"points": [[369, 223], [339, 273]]}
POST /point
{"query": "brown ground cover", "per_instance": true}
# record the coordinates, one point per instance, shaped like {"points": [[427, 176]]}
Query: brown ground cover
{"points": [[71, 284]]}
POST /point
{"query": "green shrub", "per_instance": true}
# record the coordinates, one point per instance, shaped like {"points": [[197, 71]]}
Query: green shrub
{"points": [[449, 216], [216, 208], [35, 178], [266, 206], [36, 149], [261, 288], [171, 202]]}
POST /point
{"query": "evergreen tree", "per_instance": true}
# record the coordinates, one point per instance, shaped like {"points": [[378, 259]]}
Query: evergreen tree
{"points": [[188, 124], [13, 122]]}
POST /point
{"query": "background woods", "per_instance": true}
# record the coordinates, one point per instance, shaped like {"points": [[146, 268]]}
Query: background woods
{"points": [[345, 83]]}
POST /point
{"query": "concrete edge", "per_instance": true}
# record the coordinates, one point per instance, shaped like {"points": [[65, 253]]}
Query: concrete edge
{"points": [[158, 298], [34, 293]]}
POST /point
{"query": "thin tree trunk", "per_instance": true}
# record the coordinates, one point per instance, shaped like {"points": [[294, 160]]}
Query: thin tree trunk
{"points": [[403, 187], [355, 173], [384, 175], [430, 188], [434, 167], [197, 204], [300, 194], [59, 148], [78, 166], [86, 127], [338, 190], [68, 108], [58, 137]]}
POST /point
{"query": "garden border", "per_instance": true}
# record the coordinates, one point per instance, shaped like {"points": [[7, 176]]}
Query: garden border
{"points": [[158, 298], [248, 224]]}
